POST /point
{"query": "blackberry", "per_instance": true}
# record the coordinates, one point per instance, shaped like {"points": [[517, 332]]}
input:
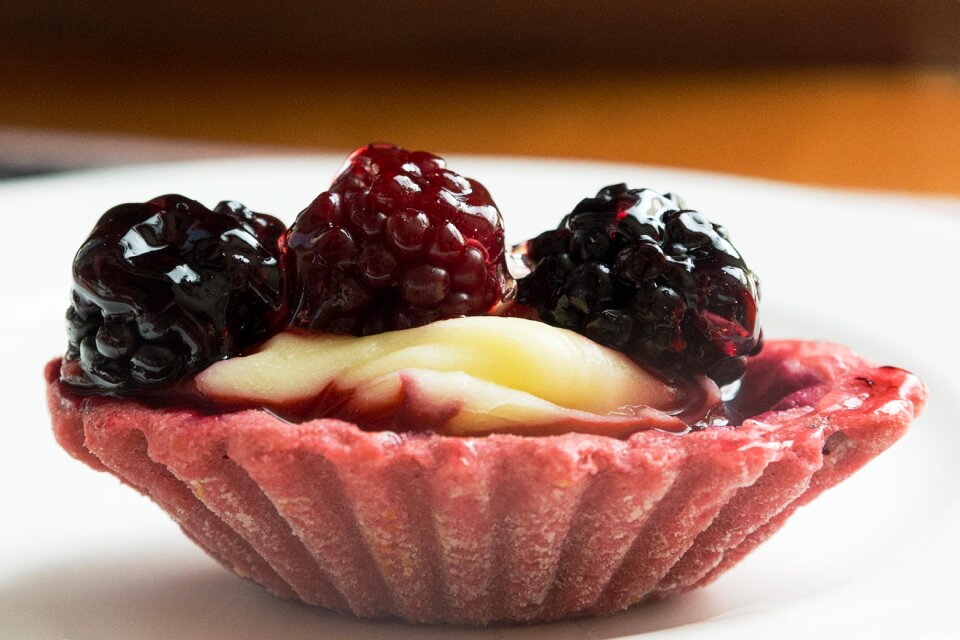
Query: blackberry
{"points": [[164, 288], [397, 241], [636, 271]]}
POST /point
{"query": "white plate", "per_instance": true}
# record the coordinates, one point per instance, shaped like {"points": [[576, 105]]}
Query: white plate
{"points": [[83, 557]]}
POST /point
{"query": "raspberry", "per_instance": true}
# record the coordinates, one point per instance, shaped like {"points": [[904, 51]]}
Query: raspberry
{"points": [[163, 288], [635, 271], [398, 241]]}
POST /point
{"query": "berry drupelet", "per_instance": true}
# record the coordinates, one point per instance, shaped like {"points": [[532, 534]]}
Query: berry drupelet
{"points": [[634, 270], [397, 241], [164, 288]]}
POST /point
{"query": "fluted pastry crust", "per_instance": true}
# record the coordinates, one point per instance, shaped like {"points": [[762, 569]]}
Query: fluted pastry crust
{"points": [[505, 528]]}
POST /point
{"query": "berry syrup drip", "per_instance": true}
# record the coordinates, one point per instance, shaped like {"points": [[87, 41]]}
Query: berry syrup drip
{"points": [[635, 271], [164, 288], [398, 241]]}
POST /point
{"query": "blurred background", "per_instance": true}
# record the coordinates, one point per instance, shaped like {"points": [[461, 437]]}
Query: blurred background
{"points": [[861, 93]]}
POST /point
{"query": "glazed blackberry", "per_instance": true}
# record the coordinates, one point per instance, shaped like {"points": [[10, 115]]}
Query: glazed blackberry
{"points": [[397, 241], [164, 288], [635, 271]]}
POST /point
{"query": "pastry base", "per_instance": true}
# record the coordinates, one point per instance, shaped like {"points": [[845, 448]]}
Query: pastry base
{"points": [[504, 528]]}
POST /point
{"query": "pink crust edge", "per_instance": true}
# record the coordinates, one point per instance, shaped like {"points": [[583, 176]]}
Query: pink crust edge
{"points": [[505, 528]]}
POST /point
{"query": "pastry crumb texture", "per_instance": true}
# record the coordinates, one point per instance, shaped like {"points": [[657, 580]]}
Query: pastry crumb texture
{"points": [[504, 528]]}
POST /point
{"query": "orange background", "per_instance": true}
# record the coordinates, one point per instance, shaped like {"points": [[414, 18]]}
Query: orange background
{"points": [[866, 95]]}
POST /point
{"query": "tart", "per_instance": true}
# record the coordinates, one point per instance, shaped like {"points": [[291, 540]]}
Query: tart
{"points": [[383, 412]]}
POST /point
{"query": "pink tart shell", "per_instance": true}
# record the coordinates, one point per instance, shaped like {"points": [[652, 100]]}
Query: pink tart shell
{"points": [[504, 528]]}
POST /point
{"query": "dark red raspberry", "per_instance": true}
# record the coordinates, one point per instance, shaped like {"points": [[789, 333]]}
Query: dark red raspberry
{"points": [[634, 270], [398, 241], [164, 288]]}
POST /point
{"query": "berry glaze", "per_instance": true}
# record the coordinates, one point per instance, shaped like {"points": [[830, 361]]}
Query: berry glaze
{"points": [[398, 241], [164, 288], [634, 270]]}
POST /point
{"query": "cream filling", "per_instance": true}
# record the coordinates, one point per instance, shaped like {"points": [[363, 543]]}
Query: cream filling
{"points": [[467, 375]]}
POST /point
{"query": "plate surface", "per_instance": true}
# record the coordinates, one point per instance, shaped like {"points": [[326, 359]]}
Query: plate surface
{"points": [[83, 557]]}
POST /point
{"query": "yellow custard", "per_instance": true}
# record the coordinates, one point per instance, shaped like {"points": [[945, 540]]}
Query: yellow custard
{"points": [[488, 372]]}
